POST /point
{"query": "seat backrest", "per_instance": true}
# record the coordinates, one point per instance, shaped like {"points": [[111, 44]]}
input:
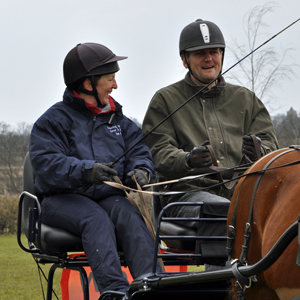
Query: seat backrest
{"points": [[27, 186]]}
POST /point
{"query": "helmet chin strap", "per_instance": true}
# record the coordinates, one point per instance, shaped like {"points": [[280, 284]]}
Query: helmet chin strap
{"points": [[95, 92]]}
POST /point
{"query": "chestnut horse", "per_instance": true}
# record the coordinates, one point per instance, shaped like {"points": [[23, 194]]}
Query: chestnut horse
{"points": [[276, 207]]}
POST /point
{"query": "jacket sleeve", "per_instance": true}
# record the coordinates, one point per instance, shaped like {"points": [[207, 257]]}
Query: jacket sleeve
{"points": [[169, 159], [49, 155], [140, 156], [262, 126]]}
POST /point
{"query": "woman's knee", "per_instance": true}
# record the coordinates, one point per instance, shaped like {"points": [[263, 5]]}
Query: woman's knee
{"points": [[73, 212]]}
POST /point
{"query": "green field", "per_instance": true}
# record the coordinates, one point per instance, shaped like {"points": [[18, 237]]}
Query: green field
{"points": [[19, 277]]}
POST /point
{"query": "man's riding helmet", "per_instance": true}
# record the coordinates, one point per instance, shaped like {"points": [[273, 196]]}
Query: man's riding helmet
{"points": [[87, 61], [200, 35]]}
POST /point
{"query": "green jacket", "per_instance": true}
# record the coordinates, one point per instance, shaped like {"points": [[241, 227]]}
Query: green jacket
{"points": [[222, 115]]}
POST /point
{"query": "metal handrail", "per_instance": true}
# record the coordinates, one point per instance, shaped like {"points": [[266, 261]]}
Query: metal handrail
{"points": [[159, 237]]}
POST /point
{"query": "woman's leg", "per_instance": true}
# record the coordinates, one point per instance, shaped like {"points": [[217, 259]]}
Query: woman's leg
{"points": [[85, 218], [132, 234]]}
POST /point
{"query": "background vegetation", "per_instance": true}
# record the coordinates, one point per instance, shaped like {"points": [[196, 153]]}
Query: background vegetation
{"points": [[19, 273], [14, 146]]}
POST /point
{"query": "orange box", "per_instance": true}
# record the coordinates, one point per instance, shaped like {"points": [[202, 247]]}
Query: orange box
{"points": [[72, 288]]}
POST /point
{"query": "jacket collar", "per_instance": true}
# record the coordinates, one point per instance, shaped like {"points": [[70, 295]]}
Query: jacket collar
{"points": [[74, 101], [95, 109], [213, 92]]}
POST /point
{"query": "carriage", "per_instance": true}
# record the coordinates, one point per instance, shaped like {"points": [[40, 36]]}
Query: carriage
{"points": [[260, 250]]}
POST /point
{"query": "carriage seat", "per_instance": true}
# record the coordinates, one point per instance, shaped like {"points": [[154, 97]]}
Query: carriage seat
{"points": [[53, 240], [213, 229], [49, 244], [173, 229]]}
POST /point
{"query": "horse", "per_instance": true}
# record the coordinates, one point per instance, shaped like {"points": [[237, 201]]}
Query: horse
{"points": [[276, 206]]}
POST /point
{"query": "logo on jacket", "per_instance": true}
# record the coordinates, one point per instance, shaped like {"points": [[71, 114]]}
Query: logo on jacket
{"points": [[115, 129]]}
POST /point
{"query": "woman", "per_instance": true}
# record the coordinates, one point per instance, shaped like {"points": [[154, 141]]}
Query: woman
{"points": [[73, 146]]}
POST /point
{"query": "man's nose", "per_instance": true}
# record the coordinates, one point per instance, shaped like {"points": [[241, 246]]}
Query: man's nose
{"points": [[207, 57]]}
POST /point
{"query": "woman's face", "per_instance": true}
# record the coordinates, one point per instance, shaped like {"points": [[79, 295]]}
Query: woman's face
{"points": [[105, 86]]}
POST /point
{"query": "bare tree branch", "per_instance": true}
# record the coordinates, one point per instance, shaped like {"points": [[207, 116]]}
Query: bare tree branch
{"points": [[265, 69]]}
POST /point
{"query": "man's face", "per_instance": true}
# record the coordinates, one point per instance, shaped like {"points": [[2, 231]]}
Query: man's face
{"points": [[205, 64]]}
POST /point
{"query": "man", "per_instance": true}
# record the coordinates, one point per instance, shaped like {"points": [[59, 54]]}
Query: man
{"points": [[73, 146], [222, 115]]}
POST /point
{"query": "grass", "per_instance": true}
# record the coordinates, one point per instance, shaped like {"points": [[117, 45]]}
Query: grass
{"points": [[19, 278], [196, 269]]}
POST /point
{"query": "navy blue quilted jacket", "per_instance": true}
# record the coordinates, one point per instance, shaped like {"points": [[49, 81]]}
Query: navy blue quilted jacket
{"points": [[67, 140]]}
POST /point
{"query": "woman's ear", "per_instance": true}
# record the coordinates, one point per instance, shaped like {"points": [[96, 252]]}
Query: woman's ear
{"points": [[87, 84]]}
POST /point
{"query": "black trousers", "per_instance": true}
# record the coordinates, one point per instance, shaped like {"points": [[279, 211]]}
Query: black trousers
{"points": [[102, 226]]}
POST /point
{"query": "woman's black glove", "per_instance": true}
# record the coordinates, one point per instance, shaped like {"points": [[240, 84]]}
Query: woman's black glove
{"points": [[142, 177], [102, 172], [199, 157]]}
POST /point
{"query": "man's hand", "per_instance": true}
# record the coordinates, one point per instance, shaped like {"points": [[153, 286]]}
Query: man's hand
{"points": [[141, 176], [102, 172], [199, 157], [249, 149]]}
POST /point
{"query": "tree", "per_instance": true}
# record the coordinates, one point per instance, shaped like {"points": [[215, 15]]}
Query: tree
{"points": [[287, 128], [136, 121], [13, 148], [264, 69]]}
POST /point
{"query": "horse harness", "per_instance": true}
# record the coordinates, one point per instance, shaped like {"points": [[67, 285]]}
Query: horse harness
{"points": [[243, 260]]}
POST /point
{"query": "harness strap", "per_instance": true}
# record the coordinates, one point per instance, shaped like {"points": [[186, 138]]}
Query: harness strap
{"points": [[245, 247], [244, 255], [231, 230], [237, 274], [241, 279], [214, 161], [230, 241], [240, 292], [256, 145]]}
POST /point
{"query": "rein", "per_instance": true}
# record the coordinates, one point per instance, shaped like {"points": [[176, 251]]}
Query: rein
{"points": [[234, 169], [245, 158]]}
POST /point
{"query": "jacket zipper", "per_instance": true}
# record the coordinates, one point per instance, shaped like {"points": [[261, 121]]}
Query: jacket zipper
{"points": [[94, 122]]}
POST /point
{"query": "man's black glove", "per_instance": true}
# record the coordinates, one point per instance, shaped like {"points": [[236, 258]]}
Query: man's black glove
{"points": [[142, 177], [199, 157], [248, 148], [102, 172]]}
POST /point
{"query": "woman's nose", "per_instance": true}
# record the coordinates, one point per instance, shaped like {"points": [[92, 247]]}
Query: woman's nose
{"points": [[115, 85]]}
